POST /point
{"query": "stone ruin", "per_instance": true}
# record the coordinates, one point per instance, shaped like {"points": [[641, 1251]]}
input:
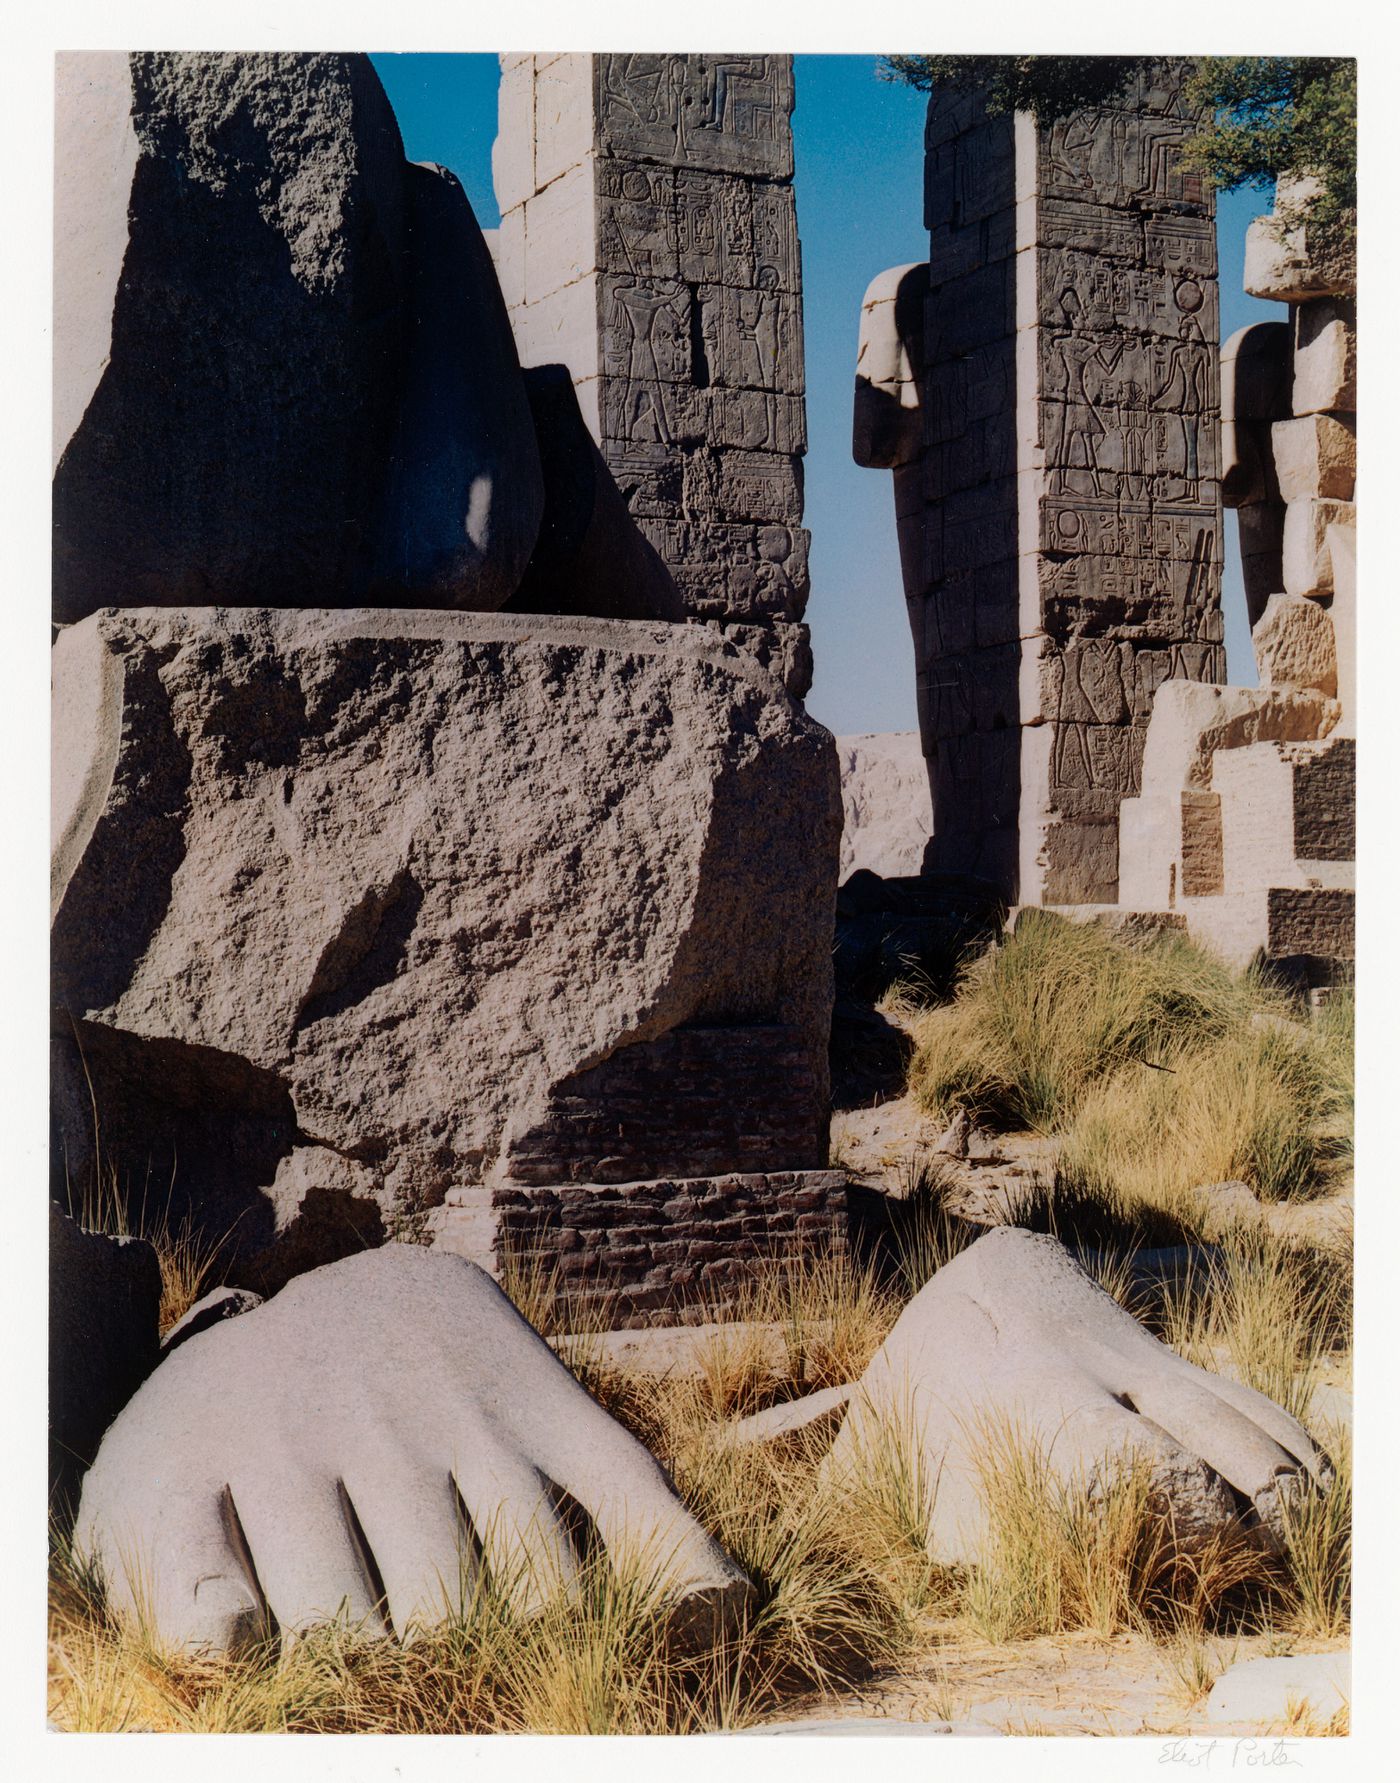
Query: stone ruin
{"points": [[648, 241], [440, 847], [418, 870], [1047, 391], [1246, 821]]}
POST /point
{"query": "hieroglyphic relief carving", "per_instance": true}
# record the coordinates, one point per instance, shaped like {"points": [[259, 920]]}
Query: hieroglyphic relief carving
{"points": [[729, 113], [701, 402], [675, 299], [1128, 422], [1064, 512]]}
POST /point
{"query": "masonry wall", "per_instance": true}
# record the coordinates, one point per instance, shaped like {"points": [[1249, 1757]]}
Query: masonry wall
{"points": [[648, 240], [1071, 517], [690, 1100], [652, 1252]]}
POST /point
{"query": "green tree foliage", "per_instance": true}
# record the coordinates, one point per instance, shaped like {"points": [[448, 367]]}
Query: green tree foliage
{"points": [[1050, 86], [1269, 118], [1283, 117]]}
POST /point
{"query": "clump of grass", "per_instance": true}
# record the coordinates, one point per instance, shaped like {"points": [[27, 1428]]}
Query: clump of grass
{"points": [[925, 1230], [1254, 1106], [1094, 1554], [1037, 1021], [1268, 1311], [189, 1260], [1317, 1558], [1163, 1068], [1192, 1658]]}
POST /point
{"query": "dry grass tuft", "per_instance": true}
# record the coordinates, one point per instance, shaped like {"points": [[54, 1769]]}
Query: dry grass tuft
{"points": [[189, 1262], [1037, 1021], [1162, 1067], [1095, 1555], [1271, 1313]]}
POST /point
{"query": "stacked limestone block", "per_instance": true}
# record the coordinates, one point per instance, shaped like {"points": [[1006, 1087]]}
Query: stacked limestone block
{"points": [[1313, 449], [1246, 823], [648, 241]]}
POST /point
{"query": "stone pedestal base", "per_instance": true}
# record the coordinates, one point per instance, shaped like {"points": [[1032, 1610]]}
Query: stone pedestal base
{"points": [[650, 1253]]}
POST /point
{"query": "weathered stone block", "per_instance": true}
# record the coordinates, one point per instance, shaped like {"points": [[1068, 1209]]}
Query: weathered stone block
{"points": [[384, 885], [1324, 801], [887, 805], [661, 1251], [1281, 261], [1341, 548], [1295, 646], [1320, 922], [1324, 357], [1315, 457], [1307, 561], [1202, 845]]}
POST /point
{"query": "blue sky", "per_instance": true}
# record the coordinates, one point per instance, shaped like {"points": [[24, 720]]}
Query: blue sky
{"points": [[859, 154]]}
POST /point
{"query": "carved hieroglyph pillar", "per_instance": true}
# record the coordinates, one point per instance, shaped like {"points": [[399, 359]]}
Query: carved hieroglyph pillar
{"points": [[1066, 558], [648, 240]]}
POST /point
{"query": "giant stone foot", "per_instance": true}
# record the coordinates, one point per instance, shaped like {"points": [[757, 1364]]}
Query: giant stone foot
{"points": [[364, 1443], [1013, 1336]]}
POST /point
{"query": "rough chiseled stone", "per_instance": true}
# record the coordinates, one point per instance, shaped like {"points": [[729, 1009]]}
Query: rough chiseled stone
{"points": [[1324, 357], [352, 908], [1295, 645], [284, 373], [1281, 263], [886, 804], [1315, 457], [1307, 558]]}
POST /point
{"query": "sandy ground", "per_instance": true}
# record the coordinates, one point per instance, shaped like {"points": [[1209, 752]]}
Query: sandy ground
{"points": [[1078, 1684]]}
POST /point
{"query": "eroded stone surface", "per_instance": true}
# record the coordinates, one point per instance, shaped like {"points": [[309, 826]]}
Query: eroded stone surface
{"points": [[1324, 357], [886, 805], [1307, 557], [284, 370], [360, 907], [1315, 456], [1295, 646]]}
